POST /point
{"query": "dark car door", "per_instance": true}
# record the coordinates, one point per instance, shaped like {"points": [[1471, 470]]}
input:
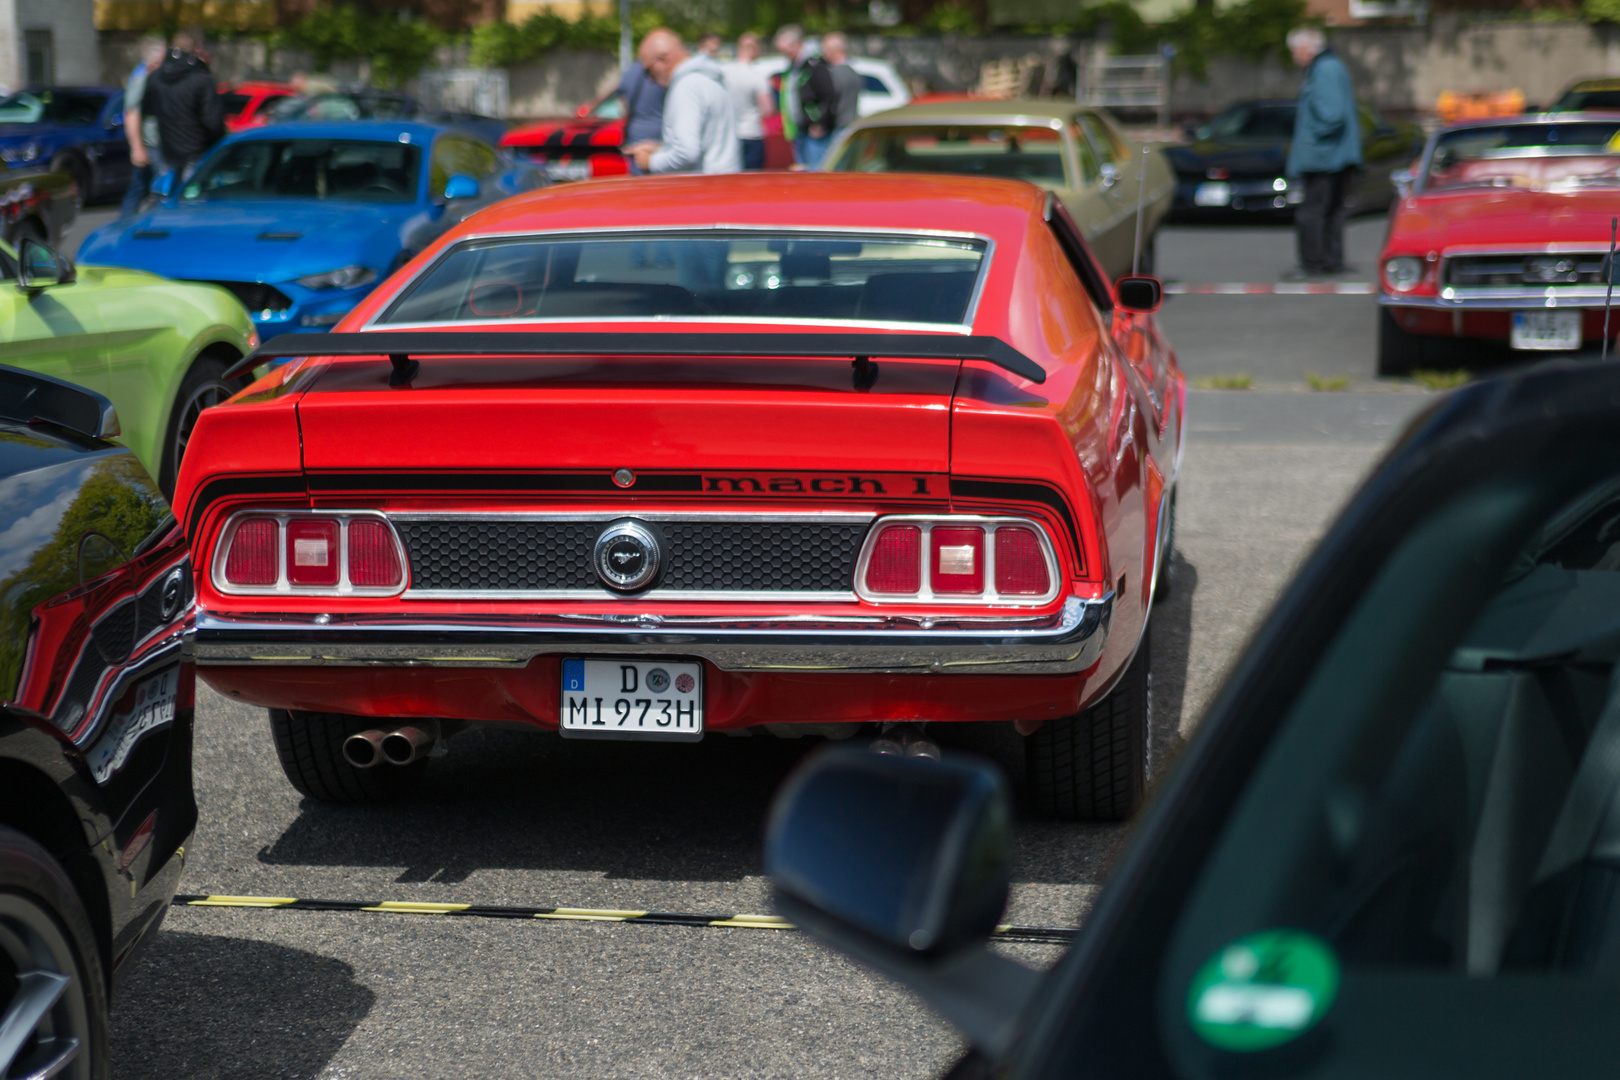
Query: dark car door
{"points": [[1385, 147], [108, 147], [1392, 848]]}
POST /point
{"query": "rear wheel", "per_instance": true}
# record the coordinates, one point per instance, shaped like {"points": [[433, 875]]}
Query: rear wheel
{"points": [[204, 386], [310, 746], [1094, 766], [53, 996]]}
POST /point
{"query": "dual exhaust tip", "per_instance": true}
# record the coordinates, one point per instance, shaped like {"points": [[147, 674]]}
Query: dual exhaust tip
{"points": [[365, 749]]}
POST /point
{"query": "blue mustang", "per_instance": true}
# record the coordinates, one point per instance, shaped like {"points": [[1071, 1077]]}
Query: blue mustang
{"points": [[78, 130], [302, 220]]}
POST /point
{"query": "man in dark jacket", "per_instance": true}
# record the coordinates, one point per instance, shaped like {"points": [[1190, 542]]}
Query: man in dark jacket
{"points": [[182, 97], [1325, 153]]}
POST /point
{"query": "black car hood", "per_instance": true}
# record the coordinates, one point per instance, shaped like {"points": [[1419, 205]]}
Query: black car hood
{"points": [[1238, 158]]}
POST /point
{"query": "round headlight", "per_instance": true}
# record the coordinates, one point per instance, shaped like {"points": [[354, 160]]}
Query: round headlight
{"points": [[1403, 272]]}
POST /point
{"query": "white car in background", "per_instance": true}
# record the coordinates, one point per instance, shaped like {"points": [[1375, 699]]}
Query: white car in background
{"points": [[881, 85]]}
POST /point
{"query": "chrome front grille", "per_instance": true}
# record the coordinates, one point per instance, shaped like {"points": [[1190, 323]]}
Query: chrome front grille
{"points": [[1538, 270], [704, 557]]}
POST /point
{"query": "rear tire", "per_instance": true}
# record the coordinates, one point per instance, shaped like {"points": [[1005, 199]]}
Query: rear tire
{"points": [[310, 746], [203, 386], [44, 929], [1095, 766]]}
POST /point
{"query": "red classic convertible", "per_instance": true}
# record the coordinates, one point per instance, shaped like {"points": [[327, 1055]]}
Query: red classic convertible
{"points": [[876, 449], [1503, 233]]}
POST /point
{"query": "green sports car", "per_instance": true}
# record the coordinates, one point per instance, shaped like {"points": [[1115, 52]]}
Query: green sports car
{"points": [[157, 348]]}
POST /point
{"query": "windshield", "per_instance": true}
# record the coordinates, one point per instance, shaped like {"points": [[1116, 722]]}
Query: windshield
{"points": [[1537, 156], [51, 107], [341, 107], [1007, 151], [1251, 122], [821, 277], [308, 169]]}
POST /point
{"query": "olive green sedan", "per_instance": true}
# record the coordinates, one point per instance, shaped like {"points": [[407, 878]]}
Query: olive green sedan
{"points": [[157, 348], [1074, 152]]}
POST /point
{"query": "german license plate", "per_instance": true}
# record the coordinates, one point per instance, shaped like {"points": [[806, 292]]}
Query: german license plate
{"points": [[1212, 195], [631, 699], [567, 170], [1546, 330]]}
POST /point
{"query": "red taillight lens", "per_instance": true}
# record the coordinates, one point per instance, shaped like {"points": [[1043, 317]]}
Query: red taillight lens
{"points": [[1020, 563], [956, 563], [896, 564], [312, 551], [252, 557], [373, 559]]}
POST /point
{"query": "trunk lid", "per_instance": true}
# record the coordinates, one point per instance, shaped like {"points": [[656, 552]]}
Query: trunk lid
{"points": [[541, 415]]}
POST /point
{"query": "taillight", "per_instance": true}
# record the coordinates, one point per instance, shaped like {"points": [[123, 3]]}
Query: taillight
{"points": [[1020, 563], [957, 558], [895, 566], [252, 558], [312, 551], [299, 552], [957, 563], [373, 558]]}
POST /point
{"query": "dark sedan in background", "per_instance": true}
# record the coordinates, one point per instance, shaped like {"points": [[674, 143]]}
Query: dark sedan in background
{"points": [[78, 130], [96, 697], [376, 105], [1235, 163]]}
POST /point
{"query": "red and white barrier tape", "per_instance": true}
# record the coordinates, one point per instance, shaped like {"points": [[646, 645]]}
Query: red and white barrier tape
{"points": [[1282, 288]]}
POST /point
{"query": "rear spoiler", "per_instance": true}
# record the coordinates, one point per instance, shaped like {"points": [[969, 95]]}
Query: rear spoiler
{"points": [[403, 347]]}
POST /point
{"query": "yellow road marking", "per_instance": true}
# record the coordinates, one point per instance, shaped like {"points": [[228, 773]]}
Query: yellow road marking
{"points": [[406, 907], [242, 901], [592, 914], [756, 922]]}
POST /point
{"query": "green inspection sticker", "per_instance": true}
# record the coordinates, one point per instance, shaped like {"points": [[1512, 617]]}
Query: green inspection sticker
{"points": [[1263, 990]]}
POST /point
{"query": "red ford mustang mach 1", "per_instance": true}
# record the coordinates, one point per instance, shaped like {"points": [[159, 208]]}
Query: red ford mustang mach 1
{"points": [[875, 449]]}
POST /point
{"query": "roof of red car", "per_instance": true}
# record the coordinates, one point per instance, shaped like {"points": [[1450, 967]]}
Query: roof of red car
{"points": [[778, 199]]}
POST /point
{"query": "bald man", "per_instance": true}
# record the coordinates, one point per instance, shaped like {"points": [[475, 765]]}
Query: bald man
{"points": [[700, 123]]}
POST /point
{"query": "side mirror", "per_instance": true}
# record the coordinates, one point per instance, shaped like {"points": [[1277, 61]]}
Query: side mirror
{"points": [[1110, 174], [583, 111], [41, 266], [163, 185], [1142, 295], [904, 864], [460, 186], [1403, 179]]}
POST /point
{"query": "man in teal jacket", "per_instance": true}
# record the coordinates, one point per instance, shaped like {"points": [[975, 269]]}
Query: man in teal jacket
{"points": [[1325, 154]]}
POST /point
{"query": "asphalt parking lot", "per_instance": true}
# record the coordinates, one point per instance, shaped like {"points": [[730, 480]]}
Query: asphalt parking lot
{"points": [[519, 819]]}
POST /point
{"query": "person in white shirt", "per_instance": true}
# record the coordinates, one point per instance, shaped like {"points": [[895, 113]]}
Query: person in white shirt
{"points": [[700, 124], [752, 99]]}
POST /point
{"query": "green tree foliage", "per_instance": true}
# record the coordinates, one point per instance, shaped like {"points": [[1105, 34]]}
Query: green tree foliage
{"points": [[397, 48], [1252, 30], [118, 501]]}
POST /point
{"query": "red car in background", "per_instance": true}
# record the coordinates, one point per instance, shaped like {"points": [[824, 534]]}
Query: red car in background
{"points": [[247, 104], [879, 450], [1502, 233], [590, 144]]}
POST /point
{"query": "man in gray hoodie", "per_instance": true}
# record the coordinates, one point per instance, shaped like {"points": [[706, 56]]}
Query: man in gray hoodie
{"points": [[700, 122]]}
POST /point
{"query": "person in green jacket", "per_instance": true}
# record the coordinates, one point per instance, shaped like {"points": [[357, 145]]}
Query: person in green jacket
{"points": [[1325, 153]]}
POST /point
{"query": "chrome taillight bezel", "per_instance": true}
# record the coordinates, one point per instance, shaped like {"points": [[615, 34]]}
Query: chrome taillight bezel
{"points": [[282, 587], [991, 523]]}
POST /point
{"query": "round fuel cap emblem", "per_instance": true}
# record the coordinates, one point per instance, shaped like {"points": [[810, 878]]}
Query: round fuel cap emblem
{"points": [[626, 556]]}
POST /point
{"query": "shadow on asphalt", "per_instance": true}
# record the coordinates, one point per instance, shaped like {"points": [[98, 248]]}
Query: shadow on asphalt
{"points": [[201, 1006], [511, 799]]}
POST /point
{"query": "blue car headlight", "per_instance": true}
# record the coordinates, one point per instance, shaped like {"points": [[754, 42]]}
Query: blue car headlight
{"points": [[18, 155], [346, 277]]}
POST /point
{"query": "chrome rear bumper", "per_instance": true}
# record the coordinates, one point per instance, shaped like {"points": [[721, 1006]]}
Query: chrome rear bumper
{"points": [[1067, 642]]}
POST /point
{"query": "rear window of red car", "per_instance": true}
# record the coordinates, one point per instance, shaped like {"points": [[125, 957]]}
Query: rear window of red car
{"points": [[818, 277]]}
